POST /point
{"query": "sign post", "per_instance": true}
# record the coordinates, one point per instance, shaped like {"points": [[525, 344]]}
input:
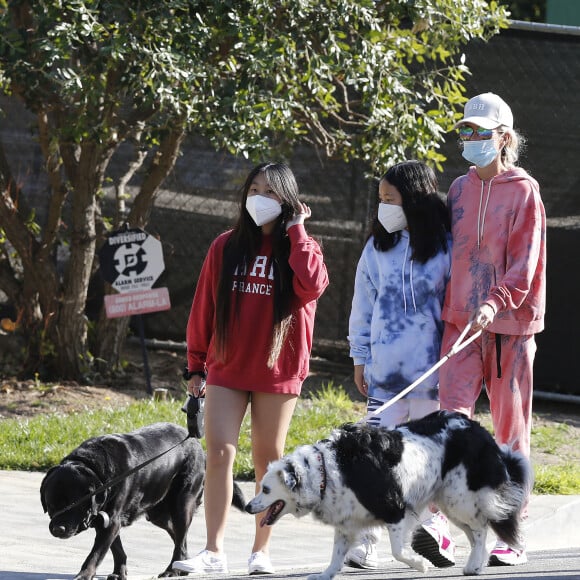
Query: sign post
{"points": [[132, 261]]}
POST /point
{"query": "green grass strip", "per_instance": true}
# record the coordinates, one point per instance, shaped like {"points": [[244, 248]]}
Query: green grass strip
{"points": [[38, 443]]}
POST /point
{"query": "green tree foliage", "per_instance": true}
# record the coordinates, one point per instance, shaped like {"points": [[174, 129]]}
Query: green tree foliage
{"points": [[527, 10], [367, 79]]}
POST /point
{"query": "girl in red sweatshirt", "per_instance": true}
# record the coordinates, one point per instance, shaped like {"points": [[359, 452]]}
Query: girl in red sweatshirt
{"points": [[250, 334]]}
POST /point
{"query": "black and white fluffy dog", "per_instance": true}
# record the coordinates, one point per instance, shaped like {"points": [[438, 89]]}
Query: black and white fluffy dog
{"points": [[365, 476]]}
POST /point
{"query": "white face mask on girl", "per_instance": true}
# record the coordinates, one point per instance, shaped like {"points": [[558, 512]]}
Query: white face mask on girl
{"points": [[263, 209], [482, 153], [392, 217]]}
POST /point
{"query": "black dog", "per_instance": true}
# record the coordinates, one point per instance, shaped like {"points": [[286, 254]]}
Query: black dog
{"points": [[168, 491]]}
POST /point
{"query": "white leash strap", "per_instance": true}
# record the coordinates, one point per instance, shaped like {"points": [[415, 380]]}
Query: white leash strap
{"points": [[458, 345]]}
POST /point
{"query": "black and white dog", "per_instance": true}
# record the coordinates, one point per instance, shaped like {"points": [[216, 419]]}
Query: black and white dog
{"points": [[365, 476]]}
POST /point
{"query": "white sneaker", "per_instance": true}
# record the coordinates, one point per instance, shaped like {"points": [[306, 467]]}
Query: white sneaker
{"points": [[259, 563], [205, 562], [504, 555], [363, 556]]}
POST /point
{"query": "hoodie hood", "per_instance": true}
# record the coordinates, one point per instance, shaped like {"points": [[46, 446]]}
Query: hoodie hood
{"points": [[509, 176]]}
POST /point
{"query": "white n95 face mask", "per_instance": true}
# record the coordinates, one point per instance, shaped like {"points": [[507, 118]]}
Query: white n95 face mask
{"points": [[263, 209], [392, 217]]}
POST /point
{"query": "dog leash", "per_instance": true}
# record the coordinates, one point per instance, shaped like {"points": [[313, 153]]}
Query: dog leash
{"points": [[458, 345], [194, 430], [115, 481]]}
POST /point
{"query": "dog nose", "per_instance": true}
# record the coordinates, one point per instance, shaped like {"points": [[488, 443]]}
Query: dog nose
{"points": [[58, 531], [248, 508]]}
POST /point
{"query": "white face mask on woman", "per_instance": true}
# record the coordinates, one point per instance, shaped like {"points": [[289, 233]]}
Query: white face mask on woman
{"points": [[392, 217], [481, 153], [262, 209]]}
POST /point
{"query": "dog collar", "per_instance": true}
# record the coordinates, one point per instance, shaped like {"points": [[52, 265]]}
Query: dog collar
{"points": [[322, 469]]}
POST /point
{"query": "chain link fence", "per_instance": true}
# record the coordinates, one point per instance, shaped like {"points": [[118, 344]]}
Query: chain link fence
{"points": [[534, 68], [207, 204]]}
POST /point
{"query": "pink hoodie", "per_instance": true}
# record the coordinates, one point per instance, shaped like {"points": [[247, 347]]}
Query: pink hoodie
{"points": [[499, 251]]}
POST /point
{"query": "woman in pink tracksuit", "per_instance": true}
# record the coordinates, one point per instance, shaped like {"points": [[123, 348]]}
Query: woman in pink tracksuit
{"points": [[498, 281]]}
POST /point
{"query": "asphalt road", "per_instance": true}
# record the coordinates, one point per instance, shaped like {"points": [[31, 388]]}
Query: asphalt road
{"points": [[545, 565], [299, 547]]}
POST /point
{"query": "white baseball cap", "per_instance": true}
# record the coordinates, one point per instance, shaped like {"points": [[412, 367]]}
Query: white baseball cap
{"points": [[487, 110]]}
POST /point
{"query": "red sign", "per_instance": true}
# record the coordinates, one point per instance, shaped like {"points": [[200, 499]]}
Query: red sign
{"points": [[130, 303]]}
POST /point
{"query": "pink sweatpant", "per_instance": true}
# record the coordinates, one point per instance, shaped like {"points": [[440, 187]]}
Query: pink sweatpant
{"points": [[461, 379]]}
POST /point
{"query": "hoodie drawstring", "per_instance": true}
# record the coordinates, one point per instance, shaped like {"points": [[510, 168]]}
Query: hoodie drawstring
{"points": [[413, 289], [480, 214], [411, 277]]}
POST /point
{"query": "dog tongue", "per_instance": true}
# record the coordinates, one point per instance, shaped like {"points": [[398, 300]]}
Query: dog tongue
{"points": [[267, 519], [272, 513]]}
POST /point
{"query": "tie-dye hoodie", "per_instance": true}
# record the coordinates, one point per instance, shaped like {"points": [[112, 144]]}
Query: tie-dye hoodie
{"points": [[499, 251], [395, 325]]}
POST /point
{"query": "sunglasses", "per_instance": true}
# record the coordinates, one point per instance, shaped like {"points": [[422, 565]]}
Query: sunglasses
{"points": [[466, 133]]}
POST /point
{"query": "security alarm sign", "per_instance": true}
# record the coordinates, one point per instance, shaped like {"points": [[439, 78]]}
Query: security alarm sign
{"points": [[131, 260]]}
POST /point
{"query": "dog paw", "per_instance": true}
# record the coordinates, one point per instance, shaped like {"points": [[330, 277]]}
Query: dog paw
{"points": [[472, 570], [420, 564], [322, 576], [170, 573]]}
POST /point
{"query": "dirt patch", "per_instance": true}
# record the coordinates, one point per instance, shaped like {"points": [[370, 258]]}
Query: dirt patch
{"points": [[21, 399]]}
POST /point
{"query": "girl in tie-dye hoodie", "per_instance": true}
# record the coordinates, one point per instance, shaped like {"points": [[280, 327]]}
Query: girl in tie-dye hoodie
{"points": [[395, 325]]}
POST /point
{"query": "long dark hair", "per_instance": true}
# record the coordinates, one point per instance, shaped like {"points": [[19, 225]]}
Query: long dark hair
{"points": [[241, 248], [427, 216]]}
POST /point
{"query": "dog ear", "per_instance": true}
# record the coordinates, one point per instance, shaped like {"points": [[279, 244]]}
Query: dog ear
{"points": [[43, 488], [291, 478]]}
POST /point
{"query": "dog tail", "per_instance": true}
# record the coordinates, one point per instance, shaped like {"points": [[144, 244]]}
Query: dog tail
{"points": [[512, 497], [238, 500]]}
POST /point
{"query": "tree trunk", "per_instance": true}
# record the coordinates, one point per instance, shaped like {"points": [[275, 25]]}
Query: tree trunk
{"points": [[73, 358]]}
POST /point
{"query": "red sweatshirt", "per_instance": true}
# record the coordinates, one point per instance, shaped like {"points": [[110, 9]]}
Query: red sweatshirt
{"points": [[499, 251], [249, 336]]}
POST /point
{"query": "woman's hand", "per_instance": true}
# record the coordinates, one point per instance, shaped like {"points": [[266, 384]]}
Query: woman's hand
{"points": [[482, 317], [196, 386], [299, 216], [359, 380]]}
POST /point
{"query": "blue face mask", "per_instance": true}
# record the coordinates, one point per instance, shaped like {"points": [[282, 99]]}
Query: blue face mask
{"points": [[481, 153]]}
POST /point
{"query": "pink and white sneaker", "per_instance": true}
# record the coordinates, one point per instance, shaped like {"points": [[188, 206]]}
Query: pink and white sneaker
{"points": [[504, 555], [433, 541]]}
